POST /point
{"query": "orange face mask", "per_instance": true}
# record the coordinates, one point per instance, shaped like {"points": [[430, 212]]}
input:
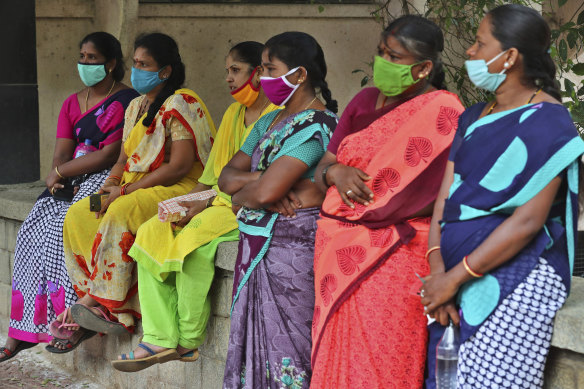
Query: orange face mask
{"points": [[247, 94]]}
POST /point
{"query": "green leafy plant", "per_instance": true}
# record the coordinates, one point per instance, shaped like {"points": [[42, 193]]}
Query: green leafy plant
{"points": [[459, 21]]}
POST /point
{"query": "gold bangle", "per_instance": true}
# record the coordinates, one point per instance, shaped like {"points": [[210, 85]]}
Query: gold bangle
{"points": [[57, 171], [469, 270], [430, 250]]}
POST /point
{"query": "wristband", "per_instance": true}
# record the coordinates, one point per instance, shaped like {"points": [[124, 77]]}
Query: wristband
{"points": [[112, 177], [469, 270], [123, 189], [57, 171], [430, 250], [324, 171]]}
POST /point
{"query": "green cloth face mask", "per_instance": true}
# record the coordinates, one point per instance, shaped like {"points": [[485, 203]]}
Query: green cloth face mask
{"points": [[390, 78], [91, 73]]}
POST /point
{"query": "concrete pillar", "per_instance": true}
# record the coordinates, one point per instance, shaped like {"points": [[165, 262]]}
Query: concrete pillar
{"points": [[19, 147]]}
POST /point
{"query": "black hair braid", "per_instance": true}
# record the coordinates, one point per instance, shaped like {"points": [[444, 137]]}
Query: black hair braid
{"points": [[541, 70], [331, 104], [165, 52], [438, 76]]}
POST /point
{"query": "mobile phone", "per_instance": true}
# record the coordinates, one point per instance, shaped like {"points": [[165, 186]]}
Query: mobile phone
{"points": [[95, 201], [65, 193]]}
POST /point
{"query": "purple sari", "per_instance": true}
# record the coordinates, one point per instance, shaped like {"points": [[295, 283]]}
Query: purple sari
{"points": [[273, 304]]}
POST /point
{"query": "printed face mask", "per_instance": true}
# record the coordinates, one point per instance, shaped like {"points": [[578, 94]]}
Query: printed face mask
{"points": [[390, 78], [278, 89], [144, 80], [91, 73], [247, 94], [478, 72]]}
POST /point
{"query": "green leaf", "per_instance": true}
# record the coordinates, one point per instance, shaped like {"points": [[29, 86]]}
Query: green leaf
{"points": [[580, 19], [562, 2], [320, 9], [563, 50], [572, 38], [578, 69], [569, 85], [364, 81]]}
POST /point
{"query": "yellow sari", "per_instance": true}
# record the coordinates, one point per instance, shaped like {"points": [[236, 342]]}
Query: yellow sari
{"points": [[160, 249], [96, 250]]}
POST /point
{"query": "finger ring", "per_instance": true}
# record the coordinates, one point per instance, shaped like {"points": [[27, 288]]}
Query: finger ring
{"points": [[348, 192], [52, 190]]}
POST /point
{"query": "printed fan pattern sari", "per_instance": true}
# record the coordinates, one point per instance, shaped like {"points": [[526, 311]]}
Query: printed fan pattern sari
{"points": [[41, 288], [504, 160], [96, 250], [269, 342], [369, 329]]}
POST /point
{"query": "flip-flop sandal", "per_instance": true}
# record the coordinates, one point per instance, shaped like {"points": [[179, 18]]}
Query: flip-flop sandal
{"points": [[190, 356], [129, 364], [87, 318], [11, 353], [69, 345], [60, 329]]}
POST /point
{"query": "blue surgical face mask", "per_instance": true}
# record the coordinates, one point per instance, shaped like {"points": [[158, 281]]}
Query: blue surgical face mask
{"points": [[144, 80], [478, 72], [91, 73]]}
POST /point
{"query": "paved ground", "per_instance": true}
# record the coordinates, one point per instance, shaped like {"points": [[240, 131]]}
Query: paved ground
{"points": [[30, 369]]}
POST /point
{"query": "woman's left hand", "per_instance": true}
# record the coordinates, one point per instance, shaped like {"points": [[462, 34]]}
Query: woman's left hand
{"points": [[53, 181], [114, 193], [438, 289]]}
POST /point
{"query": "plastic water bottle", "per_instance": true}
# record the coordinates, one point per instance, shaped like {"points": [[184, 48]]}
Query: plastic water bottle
{"points": [[84, 149], [447, 358]]}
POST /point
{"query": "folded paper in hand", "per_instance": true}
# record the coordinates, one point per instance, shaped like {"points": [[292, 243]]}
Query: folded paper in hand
{"points": [[170, 211]]}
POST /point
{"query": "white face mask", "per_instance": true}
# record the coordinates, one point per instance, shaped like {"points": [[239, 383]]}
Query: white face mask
{"points": [[478, 72]]}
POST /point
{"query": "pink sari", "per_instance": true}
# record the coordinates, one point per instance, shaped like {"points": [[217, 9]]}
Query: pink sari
{"points": [[369, 329]]}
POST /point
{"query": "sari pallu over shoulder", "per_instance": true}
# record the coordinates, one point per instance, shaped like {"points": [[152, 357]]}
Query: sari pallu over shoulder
{"points": [[103, 124], [275, 143], [405, 152], [145, 146], [504, 160]]}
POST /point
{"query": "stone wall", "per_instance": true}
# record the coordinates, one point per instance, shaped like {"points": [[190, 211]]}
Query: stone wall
{"points": [[565, 367]]}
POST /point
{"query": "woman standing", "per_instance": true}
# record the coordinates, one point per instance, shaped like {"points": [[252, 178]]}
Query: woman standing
{"points": [[369, 328], [167, 140], [41, 288], [176, 265], [269, 343], [508, 209]]}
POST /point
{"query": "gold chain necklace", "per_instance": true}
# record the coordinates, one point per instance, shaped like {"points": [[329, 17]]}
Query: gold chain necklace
{"points": [[106, 96], [275, 121], [528, 101]]}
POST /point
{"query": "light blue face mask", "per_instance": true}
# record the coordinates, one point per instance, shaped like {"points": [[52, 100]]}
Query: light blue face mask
{"points": [[91, 73], [478, 72], [144, 80]]}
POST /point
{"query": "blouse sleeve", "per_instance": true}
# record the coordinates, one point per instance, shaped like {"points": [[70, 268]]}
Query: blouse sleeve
{"points": [[178, 130], [65, 124], [345, 125], [310, 152], [251, 141]]}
